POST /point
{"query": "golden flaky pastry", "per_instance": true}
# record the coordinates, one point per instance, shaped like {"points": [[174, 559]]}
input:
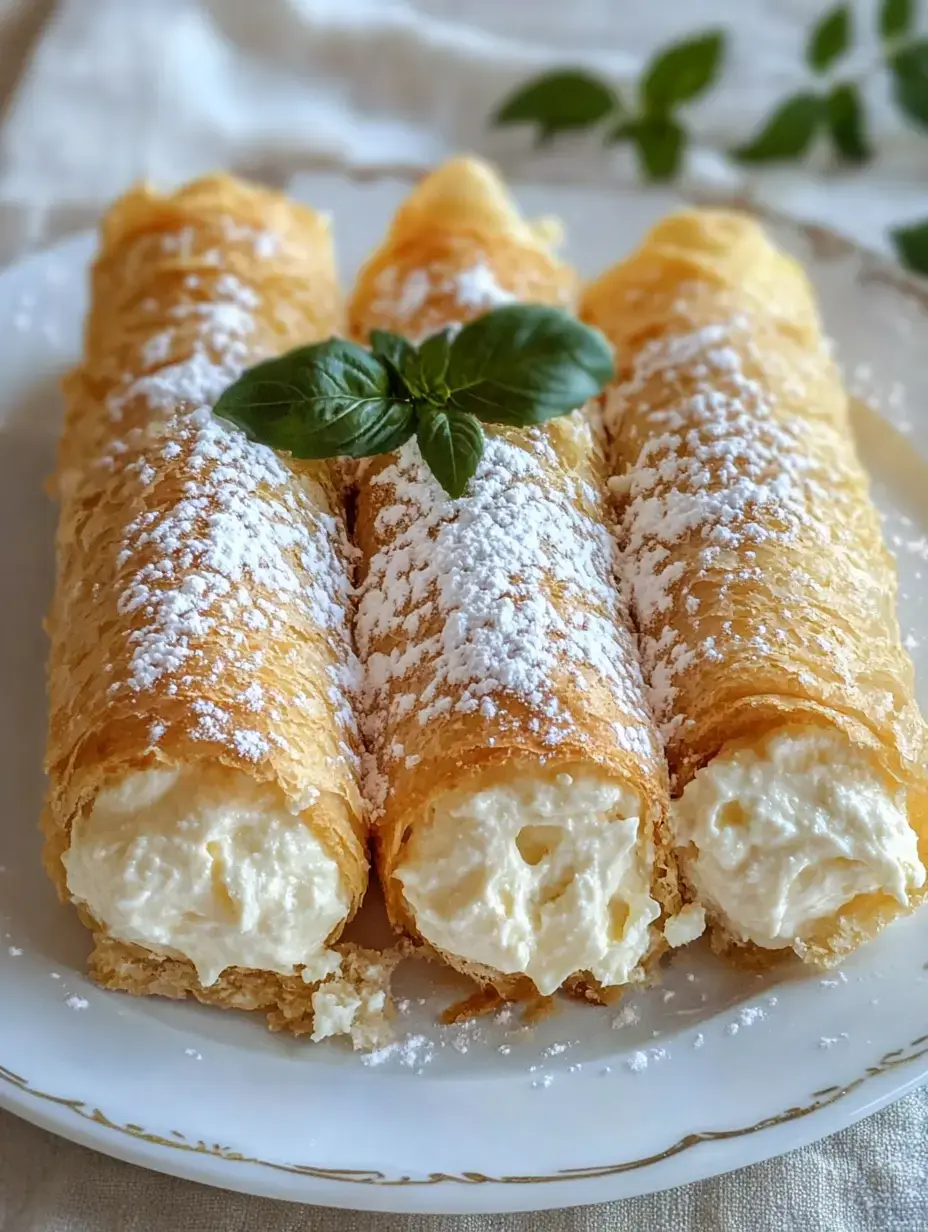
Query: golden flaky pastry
{"points": [[495, 644], [764, 597], [201, 617]]}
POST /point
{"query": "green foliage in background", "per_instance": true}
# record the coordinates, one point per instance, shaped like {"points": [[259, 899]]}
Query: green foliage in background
{"points": [[831, 108], [566, 101]]}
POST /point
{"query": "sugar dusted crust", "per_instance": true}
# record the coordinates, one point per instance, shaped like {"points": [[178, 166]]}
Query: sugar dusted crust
{"points": [[757, 575], [203, 601], [492, 633]]}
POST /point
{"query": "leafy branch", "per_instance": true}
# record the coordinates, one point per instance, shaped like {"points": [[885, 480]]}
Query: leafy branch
{"points": [[831, 107], [837, 109], [519, 365], [572, 99]]}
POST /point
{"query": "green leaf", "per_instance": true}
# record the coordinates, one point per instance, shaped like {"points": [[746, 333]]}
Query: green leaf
{"points": [[910, 80], [558, 103], [830, 38], [659, 145], [525, 363], [391, 347], [846, 124], [911, 245], [452, 445], [681, 72], [330, 400], [426, 369], [787, 133], [895, 18]]}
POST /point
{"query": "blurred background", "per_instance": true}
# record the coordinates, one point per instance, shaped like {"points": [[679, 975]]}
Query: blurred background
{"points": [[97, 93]]}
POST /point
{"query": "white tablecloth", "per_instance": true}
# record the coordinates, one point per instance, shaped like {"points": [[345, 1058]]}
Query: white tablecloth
{"points": [[170, 88]]}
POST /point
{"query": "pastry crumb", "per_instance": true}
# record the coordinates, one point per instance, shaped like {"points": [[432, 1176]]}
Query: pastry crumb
{"points": [[354, 1000]]}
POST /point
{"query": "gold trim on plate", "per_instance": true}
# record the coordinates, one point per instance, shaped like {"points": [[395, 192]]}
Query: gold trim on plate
{"points": [[177, 1141]]}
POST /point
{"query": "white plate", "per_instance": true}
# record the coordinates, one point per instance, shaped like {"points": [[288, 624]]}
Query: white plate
{"points": [[719, 1070]]}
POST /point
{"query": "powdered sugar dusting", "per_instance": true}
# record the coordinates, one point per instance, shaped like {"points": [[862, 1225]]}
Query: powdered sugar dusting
{"points": [[413, 1052], [241, 545], [720, 478], [220, 352], [490, 564], [520, 572], [403, 294]]}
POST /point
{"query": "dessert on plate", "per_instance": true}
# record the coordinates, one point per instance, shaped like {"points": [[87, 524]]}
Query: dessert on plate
{"points": [[203, 808], [587, 673], [764, 598], [517, 782]]}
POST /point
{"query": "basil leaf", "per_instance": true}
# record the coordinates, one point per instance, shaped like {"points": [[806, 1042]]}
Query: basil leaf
{"points": [[396, 351], [787, 133], [525, 363], [558, 103], [910, 80], [426, 368], [911, 244], [659, 145], [333, 399], [846, 124], [830, 38], [679, 73], [452, 445], [895, 18]]}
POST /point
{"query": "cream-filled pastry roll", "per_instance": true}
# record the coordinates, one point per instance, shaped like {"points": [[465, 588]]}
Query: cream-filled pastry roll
{"points": [[763, 594], [516, 775], [203, 809]]}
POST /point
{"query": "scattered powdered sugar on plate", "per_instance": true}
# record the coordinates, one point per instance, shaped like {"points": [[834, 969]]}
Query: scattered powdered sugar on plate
{"points": [[244, 551], [834, 981], [556, 1049], [750, 1014], [462, 1036], [829, 1041], [14, 951], [626, 1017], [413, 1052], [75, 1002]]}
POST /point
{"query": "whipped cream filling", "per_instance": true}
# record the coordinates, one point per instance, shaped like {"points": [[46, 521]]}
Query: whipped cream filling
{"points": [[779, 835], [542, 876], [209, 865], [684, 927]]}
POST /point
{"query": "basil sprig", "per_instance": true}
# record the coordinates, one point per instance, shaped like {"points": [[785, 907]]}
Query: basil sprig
{"points": [[518, 365]]}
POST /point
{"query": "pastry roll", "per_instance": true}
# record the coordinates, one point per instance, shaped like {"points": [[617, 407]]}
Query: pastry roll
{"points": [[515, 771], [763, 596], [203, 809]]}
